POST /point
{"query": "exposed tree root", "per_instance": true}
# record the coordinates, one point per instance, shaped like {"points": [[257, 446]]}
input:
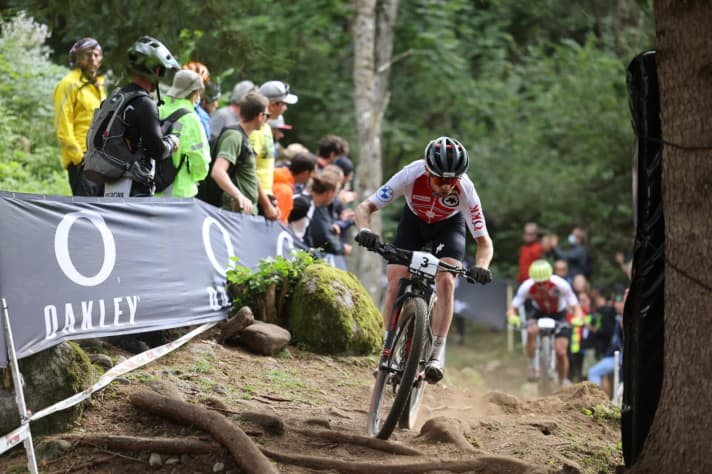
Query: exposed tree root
{"points": [[484, 465], [373, 443], [246, 454], [139, 443]]}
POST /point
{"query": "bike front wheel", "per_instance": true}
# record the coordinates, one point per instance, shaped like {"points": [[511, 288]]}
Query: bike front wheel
{"points": [[395, 379], [544, 363]]}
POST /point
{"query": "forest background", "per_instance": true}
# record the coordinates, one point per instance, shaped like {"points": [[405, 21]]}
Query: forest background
{"points": [[536, 91]]}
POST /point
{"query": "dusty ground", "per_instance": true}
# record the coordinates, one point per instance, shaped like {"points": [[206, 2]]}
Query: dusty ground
{"points": [[573, 429]]}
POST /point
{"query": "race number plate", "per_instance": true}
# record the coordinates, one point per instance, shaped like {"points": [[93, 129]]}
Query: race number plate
{"points": [[424, 262], [546, 323]]}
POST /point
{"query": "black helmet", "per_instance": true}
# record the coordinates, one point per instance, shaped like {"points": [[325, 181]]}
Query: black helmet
{"points": [[212, 91], [81, 45], [446, 157], [148, 53]]}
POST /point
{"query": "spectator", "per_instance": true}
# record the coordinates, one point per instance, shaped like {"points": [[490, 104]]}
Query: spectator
{"points": [[561, 268], [343, 215], [230, 114], [604, 368], [320, 232], [234, 168], [579, 332], [204, 74], [192, 157], [300, 169], [603, 322], [576, 255], [262, 141], [278, 127], [76, 97], [580, 283], [148, 62], [329, 149], [531, 250]]}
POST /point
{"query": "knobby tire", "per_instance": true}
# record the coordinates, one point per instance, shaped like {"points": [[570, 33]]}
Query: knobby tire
{"points": [[415, 399], [544, 365], [405, 358]]}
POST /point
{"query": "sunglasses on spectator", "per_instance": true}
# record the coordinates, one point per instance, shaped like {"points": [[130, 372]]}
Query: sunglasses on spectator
{"points": [[440, 181]]}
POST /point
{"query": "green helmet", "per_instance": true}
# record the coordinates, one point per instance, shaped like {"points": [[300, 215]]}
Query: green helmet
{"points": [[540, 270], [146, 55]]}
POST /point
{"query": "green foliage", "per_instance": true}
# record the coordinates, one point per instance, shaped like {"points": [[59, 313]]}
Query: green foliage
{"points": [[270, 271], [536, 92], [30, 152]]}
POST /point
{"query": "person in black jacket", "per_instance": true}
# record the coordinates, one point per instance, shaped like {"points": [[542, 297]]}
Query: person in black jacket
{"points": [[322, 231], [149, 61]]}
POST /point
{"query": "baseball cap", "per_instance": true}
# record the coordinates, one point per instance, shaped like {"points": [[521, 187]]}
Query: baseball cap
{"points": [[278, 91], [345, 163], [279, 123], [184, 83], [241, 89]]}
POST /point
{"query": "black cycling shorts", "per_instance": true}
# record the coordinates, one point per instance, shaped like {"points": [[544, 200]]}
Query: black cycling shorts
{"points": [[446, 238], [561, 331]]}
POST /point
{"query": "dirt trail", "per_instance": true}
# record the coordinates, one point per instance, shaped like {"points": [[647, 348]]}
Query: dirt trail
{"points": [[309, 392]]}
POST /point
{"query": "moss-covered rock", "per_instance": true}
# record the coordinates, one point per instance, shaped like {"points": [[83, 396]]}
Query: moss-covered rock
{"points": [[50, 376], [330, 312]]}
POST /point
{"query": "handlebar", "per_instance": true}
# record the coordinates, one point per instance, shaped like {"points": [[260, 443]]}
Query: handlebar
{"points": [[398, 256]]}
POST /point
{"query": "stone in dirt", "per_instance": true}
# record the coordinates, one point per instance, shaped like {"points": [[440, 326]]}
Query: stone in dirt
{"points": [[265, 338]]}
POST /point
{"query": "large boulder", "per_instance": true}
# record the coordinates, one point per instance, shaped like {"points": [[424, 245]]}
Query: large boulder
{"points": [[50, 376], [330, 312]]}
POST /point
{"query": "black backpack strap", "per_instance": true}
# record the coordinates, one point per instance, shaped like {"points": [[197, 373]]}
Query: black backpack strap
{"points": [[168, 122]]}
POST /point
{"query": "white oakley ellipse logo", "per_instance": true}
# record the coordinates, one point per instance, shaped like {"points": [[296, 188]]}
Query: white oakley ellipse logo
{"points": [[207, 223], [61, 248]]}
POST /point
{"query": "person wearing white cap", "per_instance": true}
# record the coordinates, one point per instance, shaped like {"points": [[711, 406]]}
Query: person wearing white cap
{"points": [[262, 141], [230, 114], [192, 157], [278, 126]]}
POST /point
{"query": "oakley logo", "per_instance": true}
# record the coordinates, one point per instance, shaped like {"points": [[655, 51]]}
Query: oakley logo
{"points": [[61, 248]]}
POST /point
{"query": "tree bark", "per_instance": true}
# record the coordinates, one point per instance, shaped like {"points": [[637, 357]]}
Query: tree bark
{"points": [[373, 33], [678, 440], [246, 454]]}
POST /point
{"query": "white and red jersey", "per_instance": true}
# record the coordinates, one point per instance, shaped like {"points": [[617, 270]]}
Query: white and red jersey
{"points": [[413, 183], [551, 297]]}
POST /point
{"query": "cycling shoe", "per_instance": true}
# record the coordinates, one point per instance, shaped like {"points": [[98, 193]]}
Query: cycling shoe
{"points": [[433, 371]]}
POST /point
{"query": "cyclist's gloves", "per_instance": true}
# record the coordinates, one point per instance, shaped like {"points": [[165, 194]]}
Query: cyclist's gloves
{"points": [[367, 238], [514, 321], [480, 275]]}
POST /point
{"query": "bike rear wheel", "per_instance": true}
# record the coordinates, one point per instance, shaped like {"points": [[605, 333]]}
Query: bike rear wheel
{"points": [[394, 382], [544, 364]]}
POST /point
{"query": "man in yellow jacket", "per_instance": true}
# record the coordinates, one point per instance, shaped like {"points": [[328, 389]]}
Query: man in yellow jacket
{"points": [[75, 99]]}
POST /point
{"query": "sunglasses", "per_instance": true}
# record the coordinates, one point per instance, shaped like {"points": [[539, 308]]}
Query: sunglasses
{"points": [[439, 181]]}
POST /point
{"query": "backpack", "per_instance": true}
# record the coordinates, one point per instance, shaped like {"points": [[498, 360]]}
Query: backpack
{"points": [[208, 189], [166, 172], [108, 156]]}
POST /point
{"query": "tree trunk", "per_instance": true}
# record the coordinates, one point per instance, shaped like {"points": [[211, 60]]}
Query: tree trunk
{"points": [[678, 439], [373, 44]]}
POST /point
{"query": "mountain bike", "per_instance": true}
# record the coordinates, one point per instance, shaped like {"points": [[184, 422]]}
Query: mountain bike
{"points": [[400, 383], [546, 352]]}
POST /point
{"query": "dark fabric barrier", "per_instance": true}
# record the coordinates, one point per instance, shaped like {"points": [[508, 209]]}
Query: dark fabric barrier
{"points": [[643, 317], [75, 268]]}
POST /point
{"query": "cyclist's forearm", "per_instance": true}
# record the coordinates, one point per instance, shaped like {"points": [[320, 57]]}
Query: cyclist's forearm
{"points": [[484, 253], [362, 214]]}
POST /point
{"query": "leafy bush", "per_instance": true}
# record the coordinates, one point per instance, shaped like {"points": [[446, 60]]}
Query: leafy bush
{"points": [[247, 286], [31, 155]]}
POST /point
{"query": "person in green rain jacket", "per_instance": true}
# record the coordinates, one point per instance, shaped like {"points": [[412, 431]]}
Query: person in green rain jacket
{"points": [[185, 92]]}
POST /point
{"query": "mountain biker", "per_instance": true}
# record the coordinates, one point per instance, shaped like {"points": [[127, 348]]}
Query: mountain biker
{"points": [[550, 295], [440, 201], [148, 62]]}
